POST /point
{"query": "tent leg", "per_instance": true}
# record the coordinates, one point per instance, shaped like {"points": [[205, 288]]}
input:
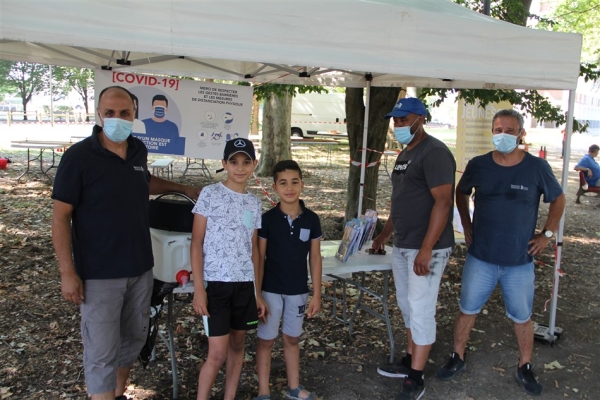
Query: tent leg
{"points": [[553, 330], [363, 162]]}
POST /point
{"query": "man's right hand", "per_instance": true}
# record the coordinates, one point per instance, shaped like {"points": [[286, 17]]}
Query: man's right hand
{"points": [[589, 173], [72, 288], [380, 241]]}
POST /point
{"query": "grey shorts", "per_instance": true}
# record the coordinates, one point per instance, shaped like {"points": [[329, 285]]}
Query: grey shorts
{"points": [[114, 325], [291, 308]]}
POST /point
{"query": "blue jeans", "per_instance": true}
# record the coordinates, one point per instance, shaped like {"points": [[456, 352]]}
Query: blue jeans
{"points": [[479, 279]]}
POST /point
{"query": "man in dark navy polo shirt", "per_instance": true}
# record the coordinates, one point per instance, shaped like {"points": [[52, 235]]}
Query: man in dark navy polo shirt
{"points": [[101, 236]]}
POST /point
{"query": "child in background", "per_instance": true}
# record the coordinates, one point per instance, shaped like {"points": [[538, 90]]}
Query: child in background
{"points": [[290, 232], [224, 254]]}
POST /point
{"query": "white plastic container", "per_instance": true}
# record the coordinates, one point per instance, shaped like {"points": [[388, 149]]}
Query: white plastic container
{"points": [[171, 253]]}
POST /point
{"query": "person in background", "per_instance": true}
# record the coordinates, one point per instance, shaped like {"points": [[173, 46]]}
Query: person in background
{"points": [[502, 239], [101, 236], [589, 166], [138, 125], [290, 234], [421, 220]]}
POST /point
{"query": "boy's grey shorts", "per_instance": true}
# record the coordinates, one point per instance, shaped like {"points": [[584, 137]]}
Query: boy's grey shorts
{"points": [[292, 308], [115, 316]]}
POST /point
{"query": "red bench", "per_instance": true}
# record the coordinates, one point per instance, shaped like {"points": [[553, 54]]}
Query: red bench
{"points": [[585, 188]]}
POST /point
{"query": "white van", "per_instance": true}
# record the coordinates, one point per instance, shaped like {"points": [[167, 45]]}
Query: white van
{"points": [[315, 114]]}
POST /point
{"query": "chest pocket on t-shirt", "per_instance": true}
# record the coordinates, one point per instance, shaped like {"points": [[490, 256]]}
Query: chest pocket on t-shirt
{"points": [[248, 219], [304, 234], [401, 167]]}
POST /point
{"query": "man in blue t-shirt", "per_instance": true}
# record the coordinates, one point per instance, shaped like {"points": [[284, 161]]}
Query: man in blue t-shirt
{"points": [[590, 167], [162, 135], [501, 239]]}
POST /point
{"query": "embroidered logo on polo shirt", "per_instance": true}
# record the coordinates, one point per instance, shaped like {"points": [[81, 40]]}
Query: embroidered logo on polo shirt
{"points": [[519, 187], [136, 168]]}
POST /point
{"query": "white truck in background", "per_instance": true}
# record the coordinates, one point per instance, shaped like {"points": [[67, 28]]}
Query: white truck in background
{"points": [[315, 115]]}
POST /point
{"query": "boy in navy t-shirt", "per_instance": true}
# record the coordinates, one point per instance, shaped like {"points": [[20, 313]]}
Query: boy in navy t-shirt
{"points": [[290, 232]]}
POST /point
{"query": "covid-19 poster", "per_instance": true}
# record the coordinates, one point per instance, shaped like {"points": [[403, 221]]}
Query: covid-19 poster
{"points": [[184, 117]]}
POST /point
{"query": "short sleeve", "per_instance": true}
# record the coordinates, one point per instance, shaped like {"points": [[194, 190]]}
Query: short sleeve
{"points": [[263, 232], [583, 163], [258, 215], [68, 180], [439, 167], [202, 203], [550, 187], [316, 232], [465, 184]]}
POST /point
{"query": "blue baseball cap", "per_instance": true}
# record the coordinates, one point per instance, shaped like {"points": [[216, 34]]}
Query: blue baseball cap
{"points": [[409, 105]]}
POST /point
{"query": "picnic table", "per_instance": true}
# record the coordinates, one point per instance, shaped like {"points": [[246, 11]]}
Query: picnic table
{"points": [[41, 146]]}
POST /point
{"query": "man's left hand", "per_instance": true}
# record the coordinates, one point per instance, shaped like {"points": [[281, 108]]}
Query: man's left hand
{"points": [[421, 264], [537, 244]]}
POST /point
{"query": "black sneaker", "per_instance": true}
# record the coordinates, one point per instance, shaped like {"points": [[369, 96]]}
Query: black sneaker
{"points": [[394, 370], [122, 397], [526, 378], [451, 368], [411, 390]]}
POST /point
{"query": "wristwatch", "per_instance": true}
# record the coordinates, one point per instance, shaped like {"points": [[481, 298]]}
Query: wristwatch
{"points": [[548, 233]]}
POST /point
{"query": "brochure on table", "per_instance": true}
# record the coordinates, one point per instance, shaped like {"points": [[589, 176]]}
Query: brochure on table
{"points": [[356, 233]]}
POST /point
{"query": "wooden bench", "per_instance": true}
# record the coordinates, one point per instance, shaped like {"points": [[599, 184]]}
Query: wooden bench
{"points": [[585, 188], [159, 167]]}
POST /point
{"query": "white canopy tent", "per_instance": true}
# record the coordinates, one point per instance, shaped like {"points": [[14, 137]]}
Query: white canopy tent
{"points": [[421, 43]]}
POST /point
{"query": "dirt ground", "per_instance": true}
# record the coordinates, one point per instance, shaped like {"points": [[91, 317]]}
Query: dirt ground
{"points": [[41, 351]]}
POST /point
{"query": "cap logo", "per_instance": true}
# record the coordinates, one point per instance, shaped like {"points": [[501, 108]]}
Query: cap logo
{"points": [[239, 143]]}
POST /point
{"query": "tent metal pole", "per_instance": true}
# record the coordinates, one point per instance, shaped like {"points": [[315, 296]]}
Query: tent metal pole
{"points": [[363, 160], [561, 226]]}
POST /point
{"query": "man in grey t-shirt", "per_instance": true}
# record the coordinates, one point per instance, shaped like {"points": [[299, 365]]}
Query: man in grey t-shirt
{"points": [[421, 220]]}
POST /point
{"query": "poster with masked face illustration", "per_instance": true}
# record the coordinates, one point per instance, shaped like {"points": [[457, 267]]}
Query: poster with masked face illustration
{"points": [[183, 117]]}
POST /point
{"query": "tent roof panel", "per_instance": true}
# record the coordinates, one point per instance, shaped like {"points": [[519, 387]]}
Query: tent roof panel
{"points": [[410, 42]]}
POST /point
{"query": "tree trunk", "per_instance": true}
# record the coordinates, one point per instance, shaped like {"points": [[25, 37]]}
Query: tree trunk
{"points": [[276, 127], [526, 6], [86, 104], [24, 102], [255, 110], [382, 101]]}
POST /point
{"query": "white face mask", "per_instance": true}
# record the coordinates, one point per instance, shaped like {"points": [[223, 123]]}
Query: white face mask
{"points": [[116, 129], [403, 134], [504, 142]]}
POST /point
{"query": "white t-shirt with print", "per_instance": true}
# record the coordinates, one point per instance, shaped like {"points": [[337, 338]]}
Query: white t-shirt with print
{"points": [[232, 218]]}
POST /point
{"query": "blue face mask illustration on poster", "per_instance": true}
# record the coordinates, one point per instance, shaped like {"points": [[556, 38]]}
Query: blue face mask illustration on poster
{"points": [[159, 111]]}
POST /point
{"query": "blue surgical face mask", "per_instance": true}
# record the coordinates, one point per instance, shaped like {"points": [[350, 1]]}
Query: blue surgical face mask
{"points": [[403, 134], [159, 112], [116, 129], [504, 142]]}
